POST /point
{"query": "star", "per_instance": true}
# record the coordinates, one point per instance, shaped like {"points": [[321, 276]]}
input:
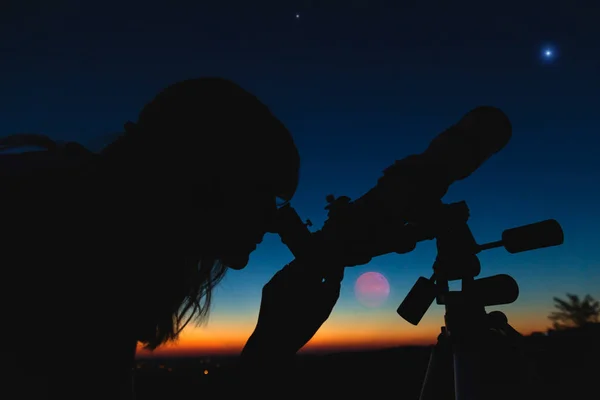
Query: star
{"points": [[297, 16], [548, 54]]}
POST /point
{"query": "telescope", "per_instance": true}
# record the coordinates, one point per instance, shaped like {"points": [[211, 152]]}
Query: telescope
{"points": [[477, 353]]}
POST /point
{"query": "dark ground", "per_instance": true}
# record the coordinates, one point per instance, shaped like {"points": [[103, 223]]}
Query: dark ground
{"points": [[566, 366]]}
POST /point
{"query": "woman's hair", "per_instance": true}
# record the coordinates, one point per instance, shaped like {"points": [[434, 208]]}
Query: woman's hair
{"points": [[175, 299], [192, 131]]}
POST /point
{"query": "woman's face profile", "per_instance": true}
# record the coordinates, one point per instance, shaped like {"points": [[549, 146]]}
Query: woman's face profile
{"points": [[236, 224]]}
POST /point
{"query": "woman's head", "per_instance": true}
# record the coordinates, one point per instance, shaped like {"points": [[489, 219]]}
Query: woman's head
{"points": [[208, 162]]}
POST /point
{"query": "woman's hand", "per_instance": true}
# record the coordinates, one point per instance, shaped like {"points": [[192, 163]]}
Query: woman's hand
{"points": [[295, 303]]}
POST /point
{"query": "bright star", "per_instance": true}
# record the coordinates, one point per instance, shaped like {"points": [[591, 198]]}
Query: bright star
{"points": [[297, 16], [548, 54]]}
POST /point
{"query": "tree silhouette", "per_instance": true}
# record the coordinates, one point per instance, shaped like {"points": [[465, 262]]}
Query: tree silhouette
{"points": [[574, 312]]}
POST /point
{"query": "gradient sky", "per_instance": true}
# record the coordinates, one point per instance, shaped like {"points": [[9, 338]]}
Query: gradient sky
{"points": [[359, 84]]}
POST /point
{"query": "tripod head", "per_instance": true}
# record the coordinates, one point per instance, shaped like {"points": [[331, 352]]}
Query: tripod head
{"points": [[457, 260]]}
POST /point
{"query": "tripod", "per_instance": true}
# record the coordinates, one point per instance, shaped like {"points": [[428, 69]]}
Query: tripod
{"points": [[477, 356]]}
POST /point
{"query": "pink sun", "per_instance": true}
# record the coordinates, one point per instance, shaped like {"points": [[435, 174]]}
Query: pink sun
{"points": [[372, 289]]}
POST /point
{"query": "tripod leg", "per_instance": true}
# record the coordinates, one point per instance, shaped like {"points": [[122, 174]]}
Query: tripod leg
{"points": [[439, 378], [488, 365], [518, 368]]}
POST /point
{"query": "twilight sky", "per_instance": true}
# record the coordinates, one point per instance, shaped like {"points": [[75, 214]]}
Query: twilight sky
{"points": [[359, 84]]}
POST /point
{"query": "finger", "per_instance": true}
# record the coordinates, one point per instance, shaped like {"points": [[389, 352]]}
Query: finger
{"points": [[289, 270], [296, 268], [305, 273], [295, 274]]}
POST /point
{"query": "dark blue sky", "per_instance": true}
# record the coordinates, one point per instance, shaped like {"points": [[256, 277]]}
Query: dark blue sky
{"points": [[360, 84]]}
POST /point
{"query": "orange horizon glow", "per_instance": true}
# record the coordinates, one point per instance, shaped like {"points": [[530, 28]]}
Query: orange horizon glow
{"points": [[228, 338]]}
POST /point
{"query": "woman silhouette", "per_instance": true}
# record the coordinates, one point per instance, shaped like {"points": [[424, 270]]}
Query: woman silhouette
{"points": [[127, 248]]}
